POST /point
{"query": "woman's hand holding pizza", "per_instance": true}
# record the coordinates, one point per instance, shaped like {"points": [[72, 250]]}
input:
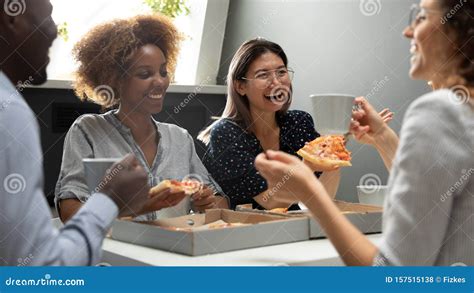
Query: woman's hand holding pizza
{"points": [[163, 198], [203, 199]]}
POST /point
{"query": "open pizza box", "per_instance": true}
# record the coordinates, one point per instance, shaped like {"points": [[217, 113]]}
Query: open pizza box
{"points": [[367, 218], [209, 233]]}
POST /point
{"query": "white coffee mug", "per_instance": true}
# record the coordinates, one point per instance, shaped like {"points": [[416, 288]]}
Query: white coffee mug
{"points": [[332, 113], [95, 169]]}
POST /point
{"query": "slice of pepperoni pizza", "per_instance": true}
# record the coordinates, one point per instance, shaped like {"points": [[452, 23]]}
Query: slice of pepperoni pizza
{"points": [[188, 186], [327, 151]]}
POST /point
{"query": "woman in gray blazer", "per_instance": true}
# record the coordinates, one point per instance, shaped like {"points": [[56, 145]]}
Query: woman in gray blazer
{"points": [[428, 213]]}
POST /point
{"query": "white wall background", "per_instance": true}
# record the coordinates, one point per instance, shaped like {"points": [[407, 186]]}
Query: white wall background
{"points": [[197, 63], [340, 46]]}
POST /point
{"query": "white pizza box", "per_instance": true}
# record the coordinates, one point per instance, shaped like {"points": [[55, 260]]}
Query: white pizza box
{"points": [[263, 230], [367, 218]]}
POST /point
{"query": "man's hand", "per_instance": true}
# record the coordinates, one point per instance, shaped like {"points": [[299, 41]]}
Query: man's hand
{"points": [[126, 184]]}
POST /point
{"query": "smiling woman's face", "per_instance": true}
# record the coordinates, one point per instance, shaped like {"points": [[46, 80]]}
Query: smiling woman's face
{"points": [[432, 46], [265, 97], [146, 82]]}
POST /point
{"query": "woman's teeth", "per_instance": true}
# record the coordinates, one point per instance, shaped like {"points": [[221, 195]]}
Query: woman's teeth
{"points": [[155, 96], [413, 47]]}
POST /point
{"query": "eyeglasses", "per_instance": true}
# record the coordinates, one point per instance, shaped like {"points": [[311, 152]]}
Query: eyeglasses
{"points": [[417, 14], [263, 79]]}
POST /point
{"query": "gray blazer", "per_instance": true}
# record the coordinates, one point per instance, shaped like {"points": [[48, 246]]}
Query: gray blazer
{"points": [[429, 213]]}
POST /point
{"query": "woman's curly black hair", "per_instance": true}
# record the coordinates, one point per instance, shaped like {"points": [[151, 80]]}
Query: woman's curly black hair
{"points": [[105, 51]]}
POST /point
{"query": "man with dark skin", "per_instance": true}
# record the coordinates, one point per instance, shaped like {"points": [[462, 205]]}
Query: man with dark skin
{"points": [[27, 31]]}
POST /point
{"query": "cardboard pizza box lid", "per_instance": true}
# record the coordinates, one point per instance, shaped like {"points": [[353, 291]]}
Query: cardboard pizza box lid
{"points": [[367, 218], [263, 230]]}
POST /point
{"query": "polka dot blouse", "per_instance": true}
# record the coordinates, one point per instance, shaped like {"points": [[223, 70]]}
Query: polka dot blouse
{"points": [[232, 151]]}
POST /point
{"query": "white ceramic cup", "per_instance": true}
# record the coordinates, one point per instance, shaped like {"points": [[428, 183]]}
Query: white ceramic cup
{"points": [[95, 169], [332, 113], [372, 194]]}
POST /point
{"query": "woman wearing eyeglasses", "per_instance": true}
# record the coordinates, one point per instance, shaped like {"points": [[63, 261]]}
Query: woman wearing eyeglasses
{"points": [[428, 214], [256, 118]]}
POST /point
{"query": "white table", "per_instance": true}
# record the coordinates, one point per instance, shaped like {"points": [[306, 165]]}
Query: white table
{"points": [[318, 252]]}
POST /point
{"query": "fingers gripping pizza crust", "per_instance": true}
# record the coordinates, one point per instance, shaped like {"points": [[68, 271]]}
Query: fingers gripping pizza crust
{"points": [[327, 151]]}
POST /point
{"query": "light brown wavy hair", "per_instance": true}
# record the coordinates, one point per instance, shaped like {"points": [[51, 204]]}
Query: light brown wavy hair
{"points": [[105, 52]]}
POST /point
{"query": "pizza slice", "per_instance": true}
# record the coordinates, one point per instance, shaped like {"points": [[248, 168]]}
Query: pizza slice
{"points": [[188, 186], [191, 186], [279, 210], [327, 151]]}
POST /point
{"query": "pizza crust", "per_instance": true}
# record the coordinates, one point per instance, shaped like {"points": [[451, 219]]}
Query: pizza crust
{"points": [[219, 224], [328, 163]]}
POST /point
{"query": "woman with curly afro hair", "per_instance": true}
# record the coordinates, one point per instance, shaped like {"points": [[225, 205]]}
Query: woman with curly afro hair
{"points": [[127, 64]]}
